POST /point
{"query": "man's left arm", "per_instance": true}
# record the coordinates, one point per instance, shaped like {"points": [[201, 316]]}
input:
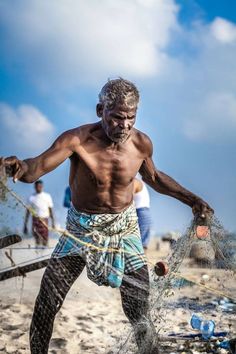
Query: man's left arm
{"points": [[165, 184]]}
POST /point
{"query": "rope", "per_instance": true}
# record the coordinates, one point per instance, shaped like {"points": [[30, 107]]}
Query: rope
{"points": [[205, 287]]}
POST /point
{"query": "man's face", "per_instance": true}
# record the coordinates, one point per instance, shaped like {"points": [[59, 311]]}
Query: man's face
{"points": [[38, 187], [118, 121]]}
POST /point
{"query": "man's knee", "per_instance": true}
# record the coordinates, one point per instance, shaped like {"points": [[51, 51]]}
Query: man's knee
{"points": [[135, 296], [50, 297]]}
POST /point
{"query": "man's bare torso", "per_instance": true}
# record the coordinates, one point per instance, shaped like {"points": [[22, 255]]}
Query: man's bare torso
{"points": [[102, 172]]}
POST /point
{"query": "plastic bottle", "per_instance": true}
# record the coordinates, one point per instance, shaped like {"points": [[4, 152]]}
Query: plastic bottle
{"points": [[206, 327]]}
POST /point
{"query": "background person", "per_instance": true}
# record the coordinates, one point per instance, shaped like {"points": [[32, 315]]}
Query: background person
{"points": [[41, 205], [67, 198], [142, 204]]}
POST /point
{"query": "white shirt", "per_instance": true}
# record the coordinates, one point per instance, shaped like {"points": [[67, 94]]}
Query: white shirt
{"points": [[40, 202], [142, 199]]}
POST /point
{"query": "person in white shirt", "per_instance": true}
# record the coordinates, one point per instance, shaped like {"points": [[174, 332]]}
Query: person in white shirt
{"points": [[142, 204], [40, 205]]}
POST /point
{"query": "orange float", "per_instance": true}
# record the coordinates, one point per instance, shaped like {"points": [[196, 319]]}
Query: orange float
{"points": [[202, 231]]}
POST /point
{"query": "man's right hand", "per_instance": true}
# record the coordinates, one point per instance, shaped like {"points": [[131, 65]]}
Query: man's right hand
{"points": [[14, 167]]}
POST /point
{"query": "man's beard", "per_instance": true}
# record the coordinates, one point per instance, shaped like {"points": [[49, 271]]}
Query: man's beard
{"points": [[116, 139], [120, 139]]}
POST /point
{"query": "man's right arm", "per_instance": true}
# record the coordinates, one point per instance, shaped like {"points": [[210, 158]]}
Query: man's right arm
{"points": [[30, 170]]}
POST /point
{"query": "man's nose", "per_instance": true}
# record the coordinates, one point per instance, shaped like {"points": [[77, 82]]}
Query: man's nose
{"points": [[124, 124]]}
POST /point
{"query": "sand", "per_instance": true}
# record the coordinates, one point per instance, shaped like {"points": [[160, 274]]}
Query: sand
{"points": [[91, 319]]}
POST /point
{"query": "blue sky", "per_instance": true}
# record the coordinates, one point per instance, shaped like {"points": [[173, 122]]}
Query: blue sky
{"points": [[56, 55]]}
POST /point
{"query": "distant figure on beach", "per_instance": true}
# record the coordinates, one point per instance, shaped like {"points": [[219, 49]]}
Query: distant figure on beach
{"points": [[41, 204], [67, 198], [105, 157], [142, 204]]}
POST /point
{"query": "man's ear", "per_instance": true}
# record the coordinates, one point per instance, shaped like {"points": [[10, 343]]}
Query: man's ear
{"points": [[99, 110]]}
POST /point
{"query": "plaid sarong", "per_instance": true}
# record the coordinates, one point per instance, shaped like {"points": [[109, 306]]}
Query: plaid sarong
{"points": [[40, 228], [110, 244]]}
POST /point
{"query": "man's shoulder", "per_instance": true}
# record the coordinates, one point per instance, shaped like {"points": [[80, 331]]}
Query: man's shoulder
{"points": [[142, 141], [82, 131], [31, 197], [141, 135], [76, 133], [46, 195]]}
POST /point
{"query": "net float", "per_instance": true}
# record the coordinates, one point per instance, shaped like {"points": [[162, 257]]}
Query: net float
{"points": [[161, 268], [202, 231], [202, 226]]}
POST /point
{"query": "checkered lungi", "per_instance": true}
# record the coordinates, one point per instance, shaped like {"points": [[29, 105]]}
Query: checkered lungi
{"points": [[110, 244], [40, 229]]}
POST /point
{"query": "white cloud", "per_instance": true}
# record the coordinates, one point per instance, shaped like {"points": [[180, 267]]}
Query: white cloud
{"points": [[196, 96], [24, 129], [77, 43], [223, 30], [72, 41]]}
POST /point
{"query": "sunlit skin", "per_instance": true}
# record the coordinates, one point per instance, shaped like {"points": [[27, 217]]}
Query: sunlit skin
{"points": [[105, 158]]}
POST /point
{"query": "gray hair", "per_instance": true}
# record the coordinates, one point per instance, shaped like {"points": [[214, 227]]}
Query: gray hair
{"points": [[119, 91]]}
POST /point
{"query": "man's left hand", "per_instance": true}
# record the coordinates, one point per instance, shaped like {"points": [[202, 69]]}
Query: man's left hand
{"points": [[202, 209]]}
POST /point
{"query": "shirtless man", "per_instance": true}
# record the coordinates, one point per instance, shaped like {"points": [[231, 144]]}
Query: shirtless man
{"points": [[105, 158]]}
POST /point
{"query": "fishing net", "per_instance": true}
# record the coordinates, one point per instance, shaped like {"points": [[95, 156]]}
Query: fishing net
{"points": [[201, 281], [198, 279]]}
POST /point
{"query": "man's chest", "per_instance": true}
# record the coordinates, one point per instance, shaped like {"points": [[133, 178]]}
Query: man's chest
{"points": [[107, 165]]}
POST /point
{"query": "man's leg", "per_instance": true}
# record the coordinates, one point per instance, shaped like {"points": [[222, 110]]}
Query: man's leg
{"points": [[58, 278], [37, 240], [135, 302]]}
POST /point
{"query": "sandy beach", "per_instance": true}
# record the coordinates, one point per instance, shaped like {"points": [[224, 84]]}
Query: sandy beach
{"points": [[91, 319]]}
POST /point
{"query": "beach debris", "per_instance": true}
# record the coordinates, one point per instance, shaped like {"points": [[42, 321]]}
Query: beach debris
{"points": [[225, 344], [227, 305], [232, 345], [10, 259], [204, 278], [8, 240], [181, 282], [222, 351], [23, 269], [206, 327], [196, 336]]}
